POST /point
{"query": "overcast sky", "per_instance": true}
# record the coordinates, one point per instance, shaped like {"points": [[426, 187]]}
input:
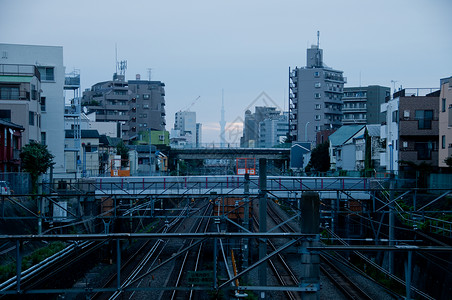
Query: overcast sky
{"points": [[198, 48]]}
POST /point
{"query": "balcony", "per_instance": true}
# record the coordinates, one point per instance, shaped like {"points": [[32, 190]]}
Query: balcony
{"points": [[19, 70]]}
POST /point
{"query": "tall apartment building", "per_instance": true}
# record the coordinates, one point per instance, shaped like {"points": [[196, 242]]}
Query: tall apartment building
{"points": [[147, 107], [134, 105], [250, 138], [315, 97], [186, 131], [411, 128], [110, 101], [48, 108], [361, 105], [445, 121]]}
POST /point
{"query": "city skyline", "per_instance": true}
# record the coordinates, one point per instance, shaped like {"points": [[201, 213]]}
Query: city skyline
{"points": [[199, 48]]}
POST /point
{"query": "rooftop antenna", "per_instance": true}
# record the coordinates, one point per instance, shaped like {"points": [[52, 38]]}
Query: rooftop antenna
{"points": [[318, 39], [149, 73], [116, 57]]}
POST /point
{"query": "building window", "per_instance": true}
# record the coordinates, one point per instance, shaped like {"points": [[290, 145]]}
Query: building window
{"points": [[146, 97], [317, 74], [318, 106], [43, 138], [405, 144], [424, 118], [9, 93], [443, 142], [318, 84], [317, 95], [43, 103], [424, 150], [31, 118], [146, 106], [5, 114], [395, 116], [317, 117], [47, 73]]}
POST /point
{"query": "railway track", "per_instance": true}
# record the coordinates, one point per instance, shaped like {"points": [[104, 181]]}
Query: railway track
{"points": [[348, 288], [50, 267]]}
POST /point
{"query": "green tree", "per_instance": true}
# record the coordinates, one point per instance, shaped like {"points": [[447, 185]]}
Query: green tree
{"points": [[320, 158], [36, 160], [122, 150], [448, 161]]}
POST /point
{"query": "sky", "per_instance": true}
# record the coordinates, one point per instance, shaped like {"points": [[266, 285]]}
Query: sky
{"points": [[200, 48]]}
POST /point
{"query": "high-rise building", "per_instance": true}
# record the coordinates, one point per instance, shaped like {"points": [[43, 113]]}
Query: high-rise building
{"points": [[49, 117], [186, 132], [445, 121], [361, 105], [250, 138], [147, 107], [315, 98]]}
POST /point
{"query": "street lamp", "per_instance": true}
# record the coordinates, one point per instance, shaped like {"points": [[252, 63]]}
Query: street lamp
{"points": [[306, 131]]}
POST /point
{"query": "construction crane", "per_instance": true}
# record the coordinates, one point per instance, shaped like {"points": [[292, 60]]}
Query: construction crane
{"points": [[190, 106]]}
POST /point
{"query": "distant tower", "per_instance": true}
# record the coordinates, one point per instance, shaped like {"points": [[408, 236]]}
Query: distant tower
{"points": [[222, 122]]}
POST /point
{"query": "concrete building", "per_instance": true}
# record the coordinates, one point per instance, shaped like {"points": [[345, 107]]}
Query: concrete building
{"points": [[110, 101], [361, 105], [411, 128], [445, 122], [315, 97], [273, 131], [186, 133], [20, 87], [88, 160], [250, 138], [147, 108], [49, 62]]}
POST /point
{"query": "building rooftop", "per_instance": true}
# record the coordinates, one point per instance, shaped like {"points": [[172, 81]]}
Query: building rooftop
{"points": [[344, 133]]}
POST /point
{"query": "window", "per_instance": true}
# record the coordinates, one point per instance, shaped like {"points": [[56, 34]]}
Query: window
{"points": [[146, 97], [43, 103], [5, 114], [318, 84], [317, 117], [318, 106], [424, 118], [317, 95], [405, 144], [406, 113], [443, 142], [9, 93], [47, 73], [43, 138], [424, 150], [316, 74], [146, 106], [317, 128], [395, 116], [31, 118], [443, 104]]}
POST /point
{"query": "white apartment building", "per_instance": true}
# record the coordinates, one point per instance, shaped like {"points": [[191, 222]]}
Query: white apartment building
{"points": [[49, 61]]}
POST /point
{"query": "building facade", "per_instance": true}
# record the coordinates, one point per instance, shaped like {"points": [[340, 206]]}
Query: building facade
{"points": [[273, 131], [445, 122], [186, 132], [251, 124], [147, 108], [411, 129], [315, 97], [11, 145], [49, 62], [361, 105]]}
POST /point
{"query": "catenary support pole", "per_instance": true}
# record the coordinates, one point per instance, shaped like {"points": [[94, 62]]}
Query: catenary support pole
{"points": [[262, 222], [310, 224]]}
